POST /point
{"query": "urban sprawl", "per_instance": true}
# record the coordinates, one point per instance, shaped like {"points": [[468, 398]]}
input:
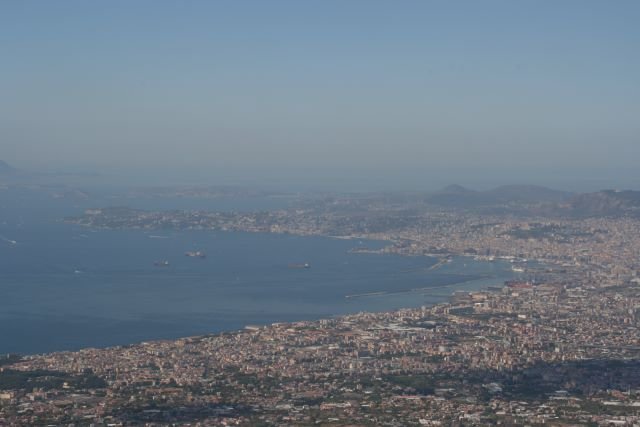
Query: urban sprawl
{"points": [[560, 347]]}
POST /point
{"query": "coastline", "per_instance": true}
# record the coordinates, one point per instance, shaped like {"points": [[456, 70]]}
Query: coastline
{"points": [[399, 299], [484, 284], [252, 327]]}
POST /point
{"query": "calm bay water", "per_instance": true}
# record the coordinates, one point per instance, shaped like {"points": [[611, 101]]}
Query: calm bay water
{"points": [[65, 287]]}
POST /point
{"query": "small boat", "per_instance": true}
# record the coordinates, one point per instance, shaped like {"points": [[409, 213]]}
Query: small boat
{"points": [[163, 263], [11, 242], [305, 265], [195, 254]]}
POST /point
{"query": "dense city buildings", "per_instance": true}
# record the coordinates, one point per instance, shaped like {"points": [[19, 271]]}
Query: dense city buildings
{"points": [[559, 347]]}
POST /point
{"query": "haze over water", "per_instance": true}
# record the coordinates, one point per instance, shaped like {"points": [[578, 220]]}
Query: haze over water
{"points": [[286, 96], [67, 287], [336, 95]]}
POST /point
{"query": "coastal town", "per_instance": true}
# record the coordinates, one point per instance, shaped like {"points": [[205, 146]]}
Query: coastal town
{"points": [[535, 355], [296, 213], [559, 347]]}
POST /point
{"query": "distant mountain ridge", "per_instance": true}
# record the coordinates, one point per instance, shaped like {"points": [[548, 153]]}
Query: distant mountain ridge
{"points": [[455, 188], [458, 196], [605, 203], [6, 169], [539, 200]]}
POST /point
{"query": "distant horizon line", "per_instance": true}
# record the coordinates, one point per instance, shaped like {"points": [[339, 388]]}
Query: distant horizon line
{"points": [[282, 182]]}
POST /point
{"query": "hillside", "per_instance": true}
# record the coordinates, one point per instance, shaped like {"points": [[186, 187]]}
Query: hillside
{"points": [[605, 203], [460, 197]]}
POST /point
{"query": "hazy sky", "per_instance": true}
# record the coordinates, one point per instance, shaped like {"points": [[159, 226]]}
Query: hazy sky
{"points": [[380, 94]]}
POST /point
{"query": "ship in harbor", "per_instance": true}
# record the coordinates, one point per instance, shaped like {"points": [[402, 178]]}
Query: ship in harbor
{"points": [[195, 254], [303, 265]]}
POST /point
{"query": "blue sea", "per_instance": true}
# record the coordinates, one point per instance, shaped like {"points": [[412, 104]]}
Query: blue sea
{"points": [[64, 287]]}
